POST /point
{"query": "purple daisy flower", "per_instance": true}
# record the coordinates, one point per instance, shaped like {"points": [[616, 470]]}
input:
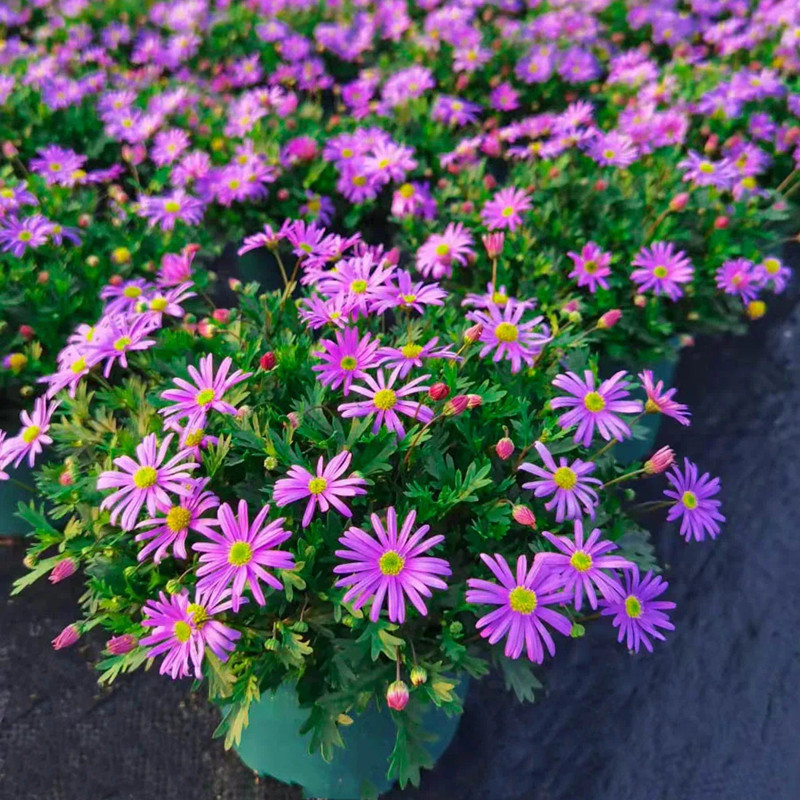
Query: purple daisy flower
{"points": [[346, 359], [505, 209], [738, 276], [568, 483], [386, 402], [612, 149], [172, 529], [16, 236], [590, 407], [660, 401], [694, 504], [407, 294], [182, 630], [266, 238], [440, 251], [120, 335], [238, 554], [322, 489], [591, 267], [194, 401], [167, 209], [662, 269], [169, 301], [522, 600], [772, 271], [33, 434], [636, 612], [402, 359], [511, 339], [122, 298], [145, 481], [582, 564], [390, 566], [317, 312], [702, 171]]}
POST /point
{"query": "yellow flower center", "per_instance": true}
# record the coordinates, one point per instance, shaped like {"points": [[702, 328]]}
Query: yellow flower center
{"points": [[384, 399], [79, 365], [359, 180], [409, 298], [581, 561], [442, 250], [205, 397], [689, 499], [522, 600], [608, 154], [706, 167], [145, 477], [25, 236], [507, 211], [590, 266], [6, 194], [240, 554], [499, 299], [194, 438], [234, 184], [772, 266], [348, 363], [358, 287], [317, 485], [456, 105], [30, 433], [122, 343], [178, 518], [383, 163], [158, 303], [199, 614], [347, 152], [406, 190], [594, 401], [565, 478], [633, 607], [660, 271], [78, 174], [182, 631], [55, 167], [172, 207], [411, 350], [131, 292], [391, 563], [506, 332]]}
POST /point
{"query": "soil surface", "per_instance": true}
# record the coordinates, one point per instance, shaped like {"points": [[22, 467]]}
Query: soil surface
{"points": [[714, 714]]}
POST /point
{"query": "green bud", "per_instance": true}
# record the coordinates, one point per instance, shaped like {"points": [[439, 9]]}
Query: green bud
{"points": [[173, 586], [578, 631], [456, 628], [270, 463], [418, 675], [630, 494]]}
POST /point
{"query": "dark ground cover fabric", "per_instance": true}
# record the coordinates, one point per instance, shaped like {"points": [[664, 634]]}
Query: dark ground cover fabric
{"points": [[713, 715]]}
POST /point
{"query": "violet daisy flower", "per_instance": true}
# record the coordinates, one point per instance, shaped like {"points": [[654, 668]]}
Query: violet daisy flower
{"points": [[612, 149], [146, 480], [16, 236], [167, 209], [505, 209], [522, 601], [440, 251], [582, 563], [662, 269], [591, 267], [238, 554], [773, 271], [205, 394], [390, 566], [694, 504], [169, 301], [172, 529], [120, 335], [636, 612], [322, 489], [72, 366], [345, 359], [568, 483], [33, 434], [592, 407], [738, 276], [402, 359], [317, 312], [407, 294], [660, 401], [702, 171], [511, 339], [386, 402], [182, 630], [123, 298], [266, 238]]}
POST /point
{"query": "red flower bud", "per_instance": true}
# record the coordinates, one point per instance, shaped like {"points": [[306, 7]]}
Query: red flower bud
{"points": [[222, 315], [267, 361], [493, 242], [294, 420], [660, 460], [439, 391], [524, 516], [600, 185], [397, 696], [678, 203], [504, 448], [62, 570], [474, 400], [119, 645], [609, 319], [456, 406], [43, 277], [721, 222], [66, 638], [26, 332], [283, 195], [471, 335]]}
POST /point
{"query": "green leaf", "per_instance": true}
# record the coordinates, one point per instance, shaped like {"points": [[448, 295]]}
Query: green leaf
{"points": [[236, 716], [325, 736], [42, 568], [221, 679], [519, 678], [409, 756]]}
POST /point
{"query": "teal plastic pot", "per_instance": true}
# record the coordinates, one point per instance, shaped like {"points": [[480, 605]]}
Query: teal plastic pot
{"points": [[272, 746], [11, 494]]}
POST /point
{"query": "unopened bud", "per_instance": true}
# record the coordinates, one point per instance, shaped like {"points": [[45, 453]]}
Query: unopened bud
{"points": [[455, 406], [474, 401], [419, 675], [494, 242], [471, 335], [222, 315], [43, 277], [267, 361], [397, 695], [756, 309], [66, 638], [62, 570], [270, 463], [120, 255], [504, 448], [294, 420], [640, 301], [234, 284], [439, 391], [119, 645], [283, 195], [173, 586], [660, 460], [524, 516], [65, 478], [26, 332], [609, 319], [9, 149], [678, 203], [721, 222]]}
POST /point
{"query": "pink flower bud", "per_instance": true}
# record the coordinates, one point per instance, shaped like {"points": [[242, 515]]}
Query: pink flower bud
{"points": [[439, 391], [62, 570], [115, 280], [206, 328], [686, 340], [222, 315], [9, 150], [600, 185], [504, 448], [609, 319], [474, 401], [294, 420], [471, 335], [571, 306], [455, 406], [660, 460], [678, 203], [119, 645], [721, 222], [66, 638], [493, 243], [267, 361], [640, 301], [26, 332], [283, 195], [393, 256], [43, 277], [65, 478], [234, 284], [524, 516], [397, 696]]}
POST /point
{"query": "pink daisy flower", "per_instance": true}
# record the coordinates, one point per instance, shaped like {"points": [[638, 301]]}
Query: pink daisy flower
{"points": [[660, 401], [403, 359], [662, 269], [345, 359], [739, 277], [322, 489], [33, 435], [440, 251], [505, 209], [591, 267], [407, 294]]}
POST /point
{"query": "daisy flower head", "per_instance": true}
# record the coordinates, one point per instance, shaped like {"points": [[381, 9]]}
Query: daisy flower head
{"points": [[122, 298], [612, 149], [660, 401], [324, 488], [32, 436], [266, 238], [591, 267], [386, 402], [145, 480], [166, 210], [663, 269], [636, 611], [237, 555], [73, 364], [504, 211], [694, 505], [402, 359], [181, 631], [17, 236], [773, 272], [569, 484], [582, 564], [521, 615], [119, 335], [440, 251], [168, 301], [593, 408], [702, 171], [739, 277], [495, 296], [346, 358], [407, 294], [171, 529], [510, 338], [206, 393], [318, 311], [361, 278], [390, 565]]}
